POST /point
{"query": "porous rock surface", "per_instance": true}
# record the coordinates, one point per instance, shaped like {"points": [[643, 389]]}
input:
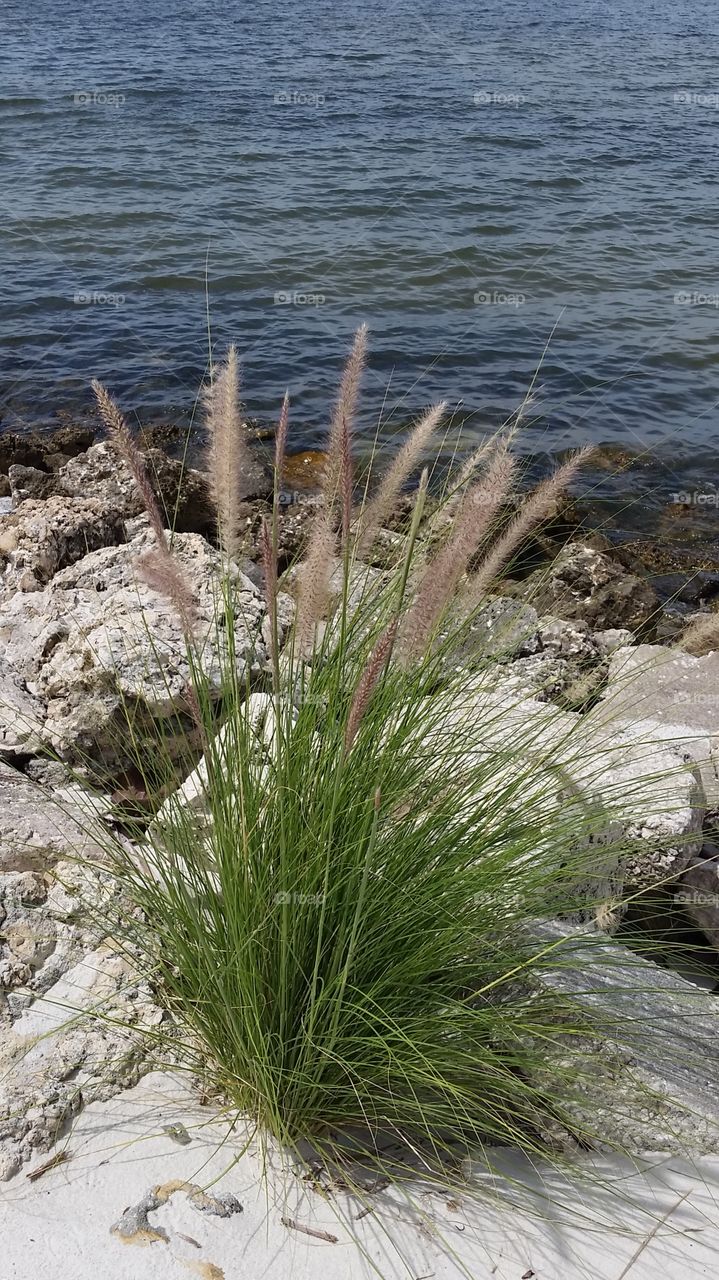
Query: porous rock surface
{"points": [[650, 1079], [586, 583], [75, 650], [80, 1042], [59, 517], [675, 697], [651, 799], [54, 850]]}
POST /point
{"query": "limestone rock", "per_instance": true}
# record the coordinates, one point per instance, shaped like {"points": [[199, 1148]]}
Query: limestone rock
{"points": [[501, 628], [648, 803], [650, 1077], [87, 504], [675, 698], [39, 449], [37, 829], [30, 482], [41, 537], [567, 639], [697, 894], [80, 647], [58, 1056], [182, 492], [588, 584]]}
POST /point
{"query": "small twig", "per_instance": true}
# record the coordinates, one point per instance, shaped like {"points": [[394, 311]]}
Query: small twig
{"points": [[308, 1231], [645, 1243], [189, 1239], [55, 1160]]}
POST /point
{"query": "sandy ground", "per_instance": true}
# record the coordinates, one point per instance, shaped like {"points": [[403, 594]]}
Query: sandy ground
{"points": [[658, 1224]]}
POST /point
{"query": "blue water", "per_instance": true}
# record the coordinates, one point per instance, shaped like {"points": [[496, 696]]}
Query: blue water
{"points": [[470, 179]]}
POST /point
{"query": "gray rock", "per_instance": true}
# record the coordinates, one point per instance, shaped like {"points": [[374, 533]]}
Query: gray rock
{"points": [[182, 492], [29, 482], [563, 639], [539, 676], [79, 648], [82, 1042], [645, 806], [697, 894], [589, 585], [41, 537], [612, 639], [87, 504], [39, 448], [21, 715], [504, 627], [649, 1080], [676, 699], [37, 829]]}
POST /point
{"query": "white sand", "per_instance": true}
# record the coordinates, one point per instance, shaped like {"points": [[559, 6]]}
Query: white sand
{"points": [[58, 1228]]}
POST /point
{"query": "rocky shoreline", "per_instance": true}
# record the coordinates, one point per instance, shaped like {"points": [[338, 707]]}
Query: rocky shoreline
{"points": [[568, 638]]}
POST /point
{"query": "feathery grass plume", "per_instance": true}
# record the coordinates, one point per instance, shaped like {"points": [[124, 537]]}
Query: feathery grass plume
{"points": [[470, 465], [346, 484], [163, 574], [477, 512], [313, 580], [701, 636], [281, 439], [227, 448], [159, 568], [334, 480], [390, 486], [269, 564], [315, 571], [533, 511], [122, 439], [376, 664]]}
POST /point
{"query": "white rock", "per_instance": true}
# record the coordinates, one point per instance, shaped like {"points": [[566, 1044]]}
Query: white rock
{"points": [[81, 1041], [673, 697], [650, 1080], [652, 802], [36, 828], [81, 647], [44, 535]]}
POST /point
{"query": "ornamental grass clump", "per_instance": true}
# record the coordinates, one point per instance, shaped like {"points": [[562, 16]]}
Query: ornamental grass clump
{"points": [[339, 908]]}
